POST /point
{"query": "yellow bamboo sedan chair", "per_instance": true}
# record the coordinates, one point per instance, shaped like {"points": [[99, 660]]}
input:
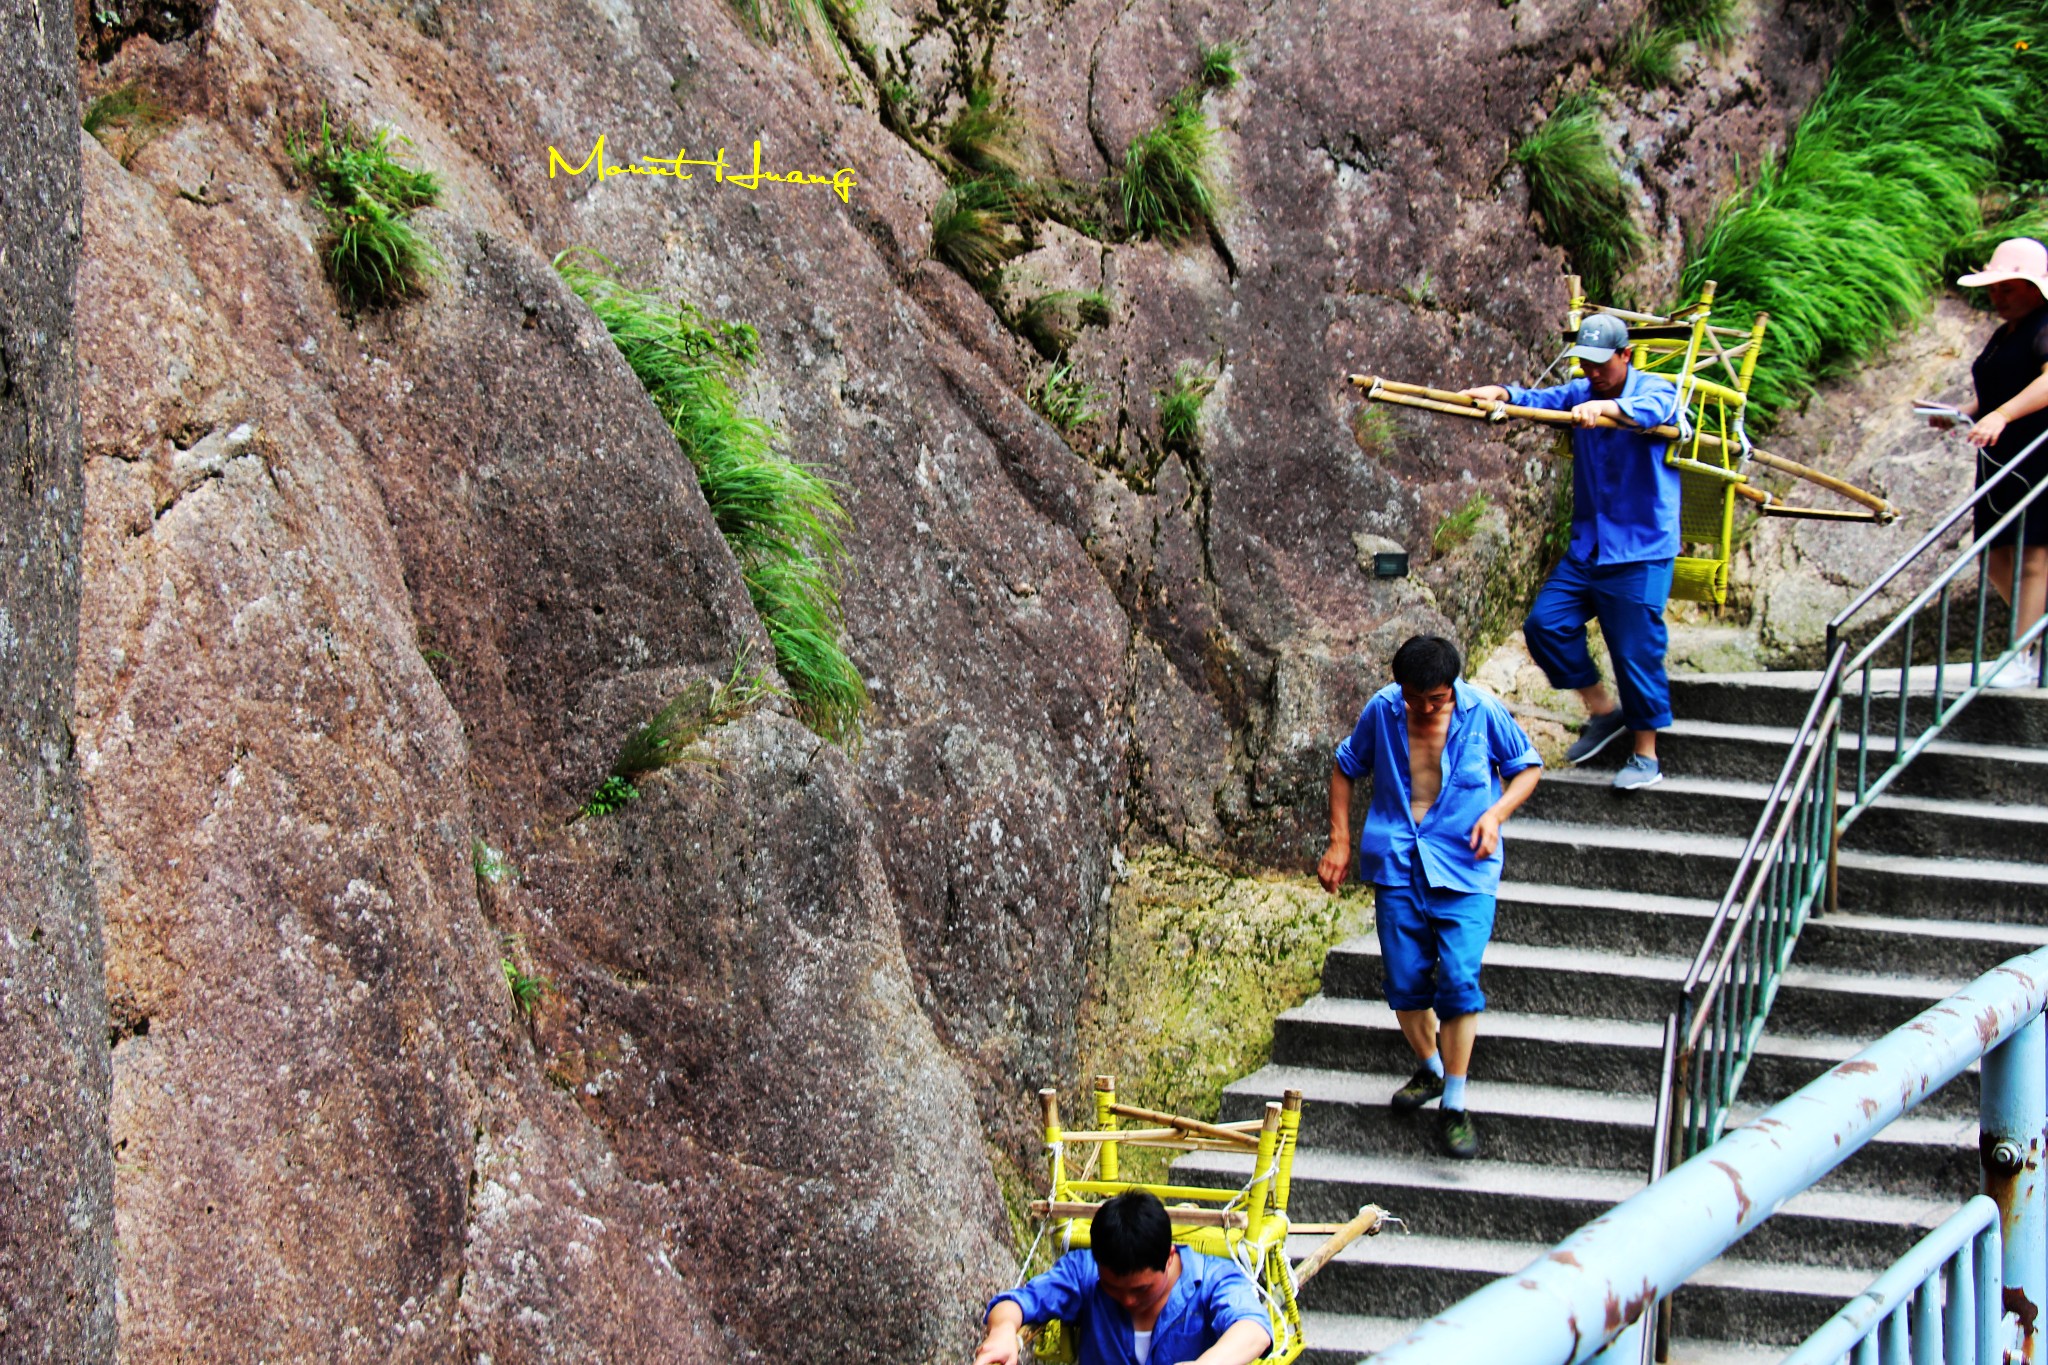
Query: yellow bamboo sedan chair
{"points": [[1247, 1225]]}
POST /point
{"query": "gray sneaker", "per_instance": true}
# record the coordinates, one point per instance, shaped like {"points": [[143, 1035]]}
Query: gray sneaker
{"points": [[1637, 773], [1595, 736]]}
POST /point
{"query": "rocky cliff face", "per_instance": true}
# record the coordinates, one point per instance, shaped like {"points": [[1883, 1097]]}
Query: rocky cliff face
{"points": [[56, 1184], [370, 602]]}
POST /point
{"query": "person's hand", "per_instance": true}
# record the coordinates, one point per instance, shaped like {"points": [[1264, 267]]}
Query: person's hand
{"points": [[1491, 393], [1335, 865], [1589, 413], [999, 1347], [1485, 835], [1988, 429]]}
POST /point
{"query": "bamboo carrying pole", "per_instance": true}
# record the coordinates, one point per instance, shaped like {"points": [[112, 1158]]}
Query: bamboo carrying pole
{"points": [[1369, 1221], [1208, 1130], [1458, 405], [1187, 1218]]}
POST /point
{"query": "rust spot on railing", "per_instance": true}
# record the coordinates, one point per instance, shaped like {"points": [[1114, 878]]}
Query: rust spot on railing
{"points": [[1741, 1195], [1857, 1068], [2026, 1310], [1566, 1258], [1987, 1025], [1869, 1107]]}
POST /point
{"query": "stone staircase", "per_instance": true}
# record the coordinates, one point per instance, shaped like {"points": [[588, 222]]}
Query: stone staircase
{"points": [[1608, 898]]}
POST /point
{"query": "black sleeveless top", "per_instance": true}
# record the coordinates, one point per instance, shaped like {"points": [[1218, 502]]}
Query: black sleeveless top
{"points": [[2010, 361]]}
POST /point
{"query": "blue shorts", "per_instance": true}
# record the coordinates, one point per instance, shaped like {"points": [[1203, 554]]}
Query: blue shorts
{"points": [[1431, 941]]}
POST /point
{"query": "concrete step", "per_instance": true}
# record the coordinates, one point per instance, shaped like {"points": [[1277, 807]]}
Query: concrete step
{"points": [[1504, 1201], [1755, 753], [1532, 979], [1621, 858], [1629, 922], [1345, 1338], [1575, 1053], [1781, 699], [1685, 804], [1414, 1276], [1928, 1156]]}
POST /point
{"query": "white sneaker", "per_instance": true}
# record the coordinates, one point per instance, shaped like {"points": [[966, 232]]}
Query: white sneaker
{"points": [[2022, 670]]}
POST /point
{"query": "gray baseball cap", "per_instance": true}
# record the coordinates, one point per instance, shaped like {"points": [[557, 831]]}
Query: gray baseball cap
{"points": [[1600, 336]]}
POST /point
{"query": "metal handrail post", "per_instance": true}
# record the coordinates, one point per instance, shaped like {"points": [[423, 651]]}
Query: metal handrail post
{"points": [[2013, 1114]]}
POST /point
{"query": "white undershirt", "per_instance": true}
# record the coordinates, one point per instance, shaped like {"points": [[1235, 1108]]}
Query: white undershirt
{"points": [[1141, 1345]]}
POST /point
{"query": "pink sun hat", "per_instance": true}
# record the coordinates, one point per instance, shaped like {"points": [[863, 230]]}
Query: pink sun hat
{"points": [[2017, 258]]}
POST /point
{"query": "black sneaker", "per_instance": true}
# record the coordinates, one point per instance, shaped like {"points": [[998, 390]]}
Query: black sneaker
{"points": [[1597, 733], [1461, 1140], [1424, 1086]]}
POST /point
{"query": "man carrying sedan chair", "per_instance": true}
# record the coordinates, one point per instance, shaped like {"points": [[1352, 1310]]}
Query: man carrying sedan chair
{"points": [[1624, 547]]}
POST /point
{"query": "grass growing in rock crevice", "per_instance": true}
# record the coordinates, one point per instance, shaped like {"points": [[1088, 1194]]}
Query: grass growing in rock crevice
{"points": [[374, 254], [1170, 186], [1843, 238], [782, 519], [1180, 409], [1574, 185]]}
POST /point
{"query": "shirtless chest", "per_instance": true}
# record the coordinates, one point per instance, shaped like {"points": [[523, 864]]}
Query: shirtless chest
{"points": [[1426, 735]]}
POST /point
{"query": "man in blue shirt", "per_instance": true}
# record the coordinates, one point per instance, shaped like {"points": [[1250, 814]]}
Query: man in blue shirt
{"points": [[1134, 1298], [1623, 546], [1437, 751]]}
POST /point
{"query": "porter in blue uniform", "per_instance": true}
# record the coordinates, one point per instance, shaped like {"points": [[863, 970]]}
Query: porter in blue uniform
{"points": [[1624, 543], [1448, 764]]}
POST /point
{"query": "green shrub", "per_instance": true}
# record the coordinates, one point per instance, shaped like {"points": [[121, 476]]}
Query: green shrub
{"points": [[1457, 528], [974, 228], [1170, 186], [1373, 429], [612, 794], [782, 519], [526, 988], [1967, 253], [681, 722], [1842, 238], [374, 254], [1066, 399], [1180, 408], [1574, 185], [487, 862], [1218, 69]]}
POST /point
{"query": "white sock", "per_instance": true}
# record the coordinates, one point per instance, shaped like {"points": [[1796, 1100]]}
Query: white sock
{"points": [[1454, 1092], [1435, 1062]]}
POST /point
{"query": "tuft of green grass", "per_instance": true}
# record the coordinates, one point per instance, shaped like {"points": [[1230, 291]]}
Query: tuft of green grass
{"points": [[1574, 185], [1710, 23], [374, 254], [1457, 528], [1052, 322], [1180, 408], [2019, 218], [1217, 69], [1647, 55], [987, 138], [1066, 399], [1841, 239], [612, 794], [682, 721], [1373, 429], [782, 519], [974, 228], [1170, 185], [132, 112]]}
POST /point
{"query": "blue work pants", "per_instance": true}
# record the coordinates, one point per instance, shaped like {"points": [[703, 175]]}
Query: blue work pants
{"points": [[1628, 601], [1431, 940]]}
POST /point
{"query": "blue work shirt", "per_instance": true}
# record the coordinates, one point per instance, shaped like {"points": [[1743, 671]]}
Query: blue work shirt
{"points": [[1211, 1296], [1484, 747], [1624, 497]]}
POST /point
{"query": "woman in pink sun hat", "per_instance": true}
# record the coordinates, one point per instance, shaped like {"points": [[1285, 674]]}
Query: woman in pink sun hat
{"points": [[2011, 376]]}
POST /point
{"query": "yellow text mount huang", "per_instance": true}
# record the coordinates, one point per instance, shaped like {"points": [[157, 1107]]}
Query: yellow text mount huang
{"points": [[841, 182]]}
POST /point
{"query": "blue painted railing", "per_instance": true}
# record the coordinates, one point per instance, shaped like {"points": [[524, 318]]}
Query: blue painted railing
{"points": [[1939, 1305], [1589, 1298]]}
